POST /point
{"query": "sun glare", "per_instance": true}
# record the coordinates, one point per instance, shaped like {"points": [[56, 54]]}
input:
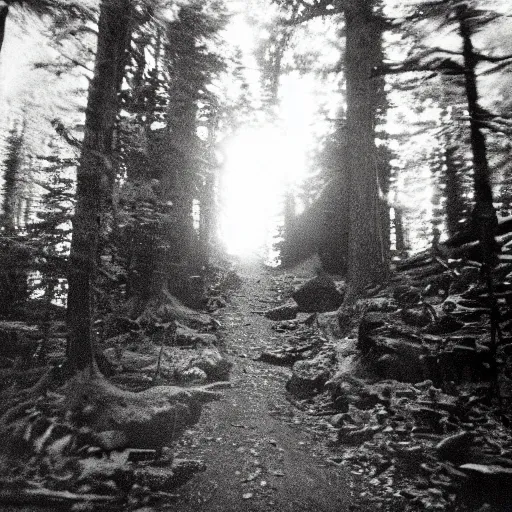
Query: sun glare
{"points": [[260, 165], [263, 163]]}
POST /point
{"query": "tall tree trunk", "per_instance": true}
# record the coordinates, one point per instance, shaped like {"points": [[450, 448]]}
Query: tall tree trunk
{"points": [[14, 260], [398, 223], [455, 205], [4, 11], [94, 177], [12, 178], [366, 258], [484, 213]]}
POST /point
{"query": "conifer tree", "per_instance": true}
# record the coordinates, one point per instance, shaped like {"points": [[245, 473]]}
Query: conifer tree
{"points": [[94, 178]]}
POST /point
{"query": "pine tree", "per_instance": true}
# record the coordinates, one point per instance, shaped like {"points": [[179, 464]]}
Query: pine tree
{"points": [[366, 248], [94, 178]]}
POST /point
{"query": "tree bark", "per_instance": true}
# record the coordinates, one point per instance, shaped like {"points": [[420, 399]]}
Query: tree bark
{"points": [[484, 214], [4, 11], [94, 176], [366, 258]]}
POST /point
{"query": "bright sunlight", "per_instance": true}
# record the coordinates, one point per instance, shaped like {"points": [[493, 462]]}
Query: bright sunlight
{"points": [[261, 164]]}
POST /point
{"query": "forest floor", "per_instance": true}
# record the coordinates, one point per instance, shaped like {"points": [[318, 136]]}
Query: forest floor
{"points": [[261, 453]]}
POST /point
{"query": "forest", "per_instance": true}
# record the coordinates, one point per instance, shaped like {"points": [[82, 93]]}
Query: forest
{"points": [[256, 255]]}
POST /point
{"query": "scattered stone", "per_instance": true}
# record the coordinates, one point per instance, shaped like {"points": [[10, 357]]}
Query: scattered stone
{"points": [[287, 311], [213, 364], [380, 304], [279, 357], [286, 325], [310, 376], [455, 447], [320, 294], [164, 478], [349, 435]]}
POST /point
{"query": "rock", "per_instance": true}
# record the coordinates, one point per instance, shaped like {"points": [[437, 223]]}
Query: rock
{"points": [[185, 469], [319, 294], [368, 324], [444, 325], [379, 304], [93, 471], [461, 363], [406, 295], [338, 420], [173, 310], [418, 317], [150, 419], [139, 455], [310, 376], [406, 393], [429, 417], [127, 360], [488, 470], [348, 435], [158, 478], [213, 364], [396, 358], [192, 375], [280, 357], [185, 336], [455, 447], [110, 440], [286, 325], [287, 311]]}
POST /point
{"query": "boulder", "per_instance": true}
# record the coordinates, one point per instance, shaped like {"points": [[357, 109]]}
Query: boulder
{"points": [[213, 364], [192, 375], [455, 448], [287, 311], [320, 294], [396, 358], [309, 376], [418, 317], [149, 419]]}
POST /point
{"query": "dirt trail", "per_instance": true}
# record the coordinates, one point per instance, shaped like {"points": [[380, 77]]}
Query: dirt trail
{"points": [[258, 455]]}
